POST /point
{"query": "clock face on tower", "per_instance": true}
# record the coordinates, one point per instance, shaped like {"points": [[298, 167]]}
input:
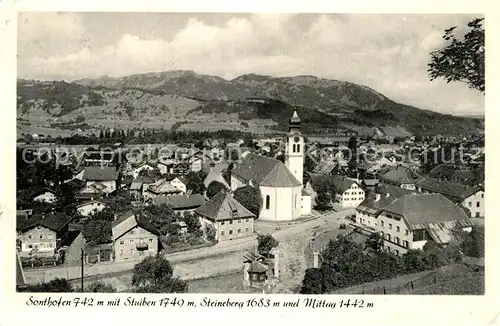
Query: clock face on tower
{"points": [[296, 139]]}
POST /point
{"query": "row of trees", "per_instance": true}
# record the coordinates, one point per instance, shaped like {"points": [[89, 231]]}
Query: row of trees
{"points": [[346, 263]]}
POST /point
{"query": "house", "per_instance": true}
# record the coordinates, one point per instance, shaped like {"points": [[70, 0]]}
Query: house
{"points": [[139, 186], [181, 203], [44, 195], [215, 174], [229, 218], [90, 207], [105, 176], [180, 183], [70, 247], [41, 235], [408, 222], [195, 164], [143, 167], [348, 192], [161, 188], [98, 158], [470, 197], [400, 176], [134, 238]]}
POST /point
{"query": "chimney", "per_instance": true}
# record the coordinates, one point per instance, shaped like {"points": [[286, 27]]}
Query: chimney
{"points": [[377, 197]]}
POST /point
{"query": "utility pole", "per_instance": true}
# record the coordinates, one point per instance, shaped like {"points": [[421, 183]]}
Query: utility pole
{"points": [[83, 263]]}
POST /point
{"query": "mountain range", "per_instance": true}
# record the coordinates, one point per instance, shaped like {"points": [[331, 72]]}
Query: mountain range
{"points": [[258, 103]]}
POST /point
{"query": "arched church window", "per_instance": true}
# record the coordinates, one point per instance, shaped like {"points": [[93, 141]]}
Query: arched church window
{"points": [[293, 148], [298, 148], [268, 201], [295, 201]]}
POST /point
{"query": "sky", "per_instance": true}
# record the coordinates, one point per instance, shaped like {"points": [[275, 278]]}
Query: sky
{"points": [[388, 52]]}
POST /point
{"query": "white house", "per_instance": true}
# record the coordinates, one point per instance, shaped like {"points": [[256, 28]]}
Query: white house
{"points": [[90, 207], [137, 171], [105, 176], [408, 222], [180, 183], [470, 197], [348, 192], [280, 184], [45, 196]]}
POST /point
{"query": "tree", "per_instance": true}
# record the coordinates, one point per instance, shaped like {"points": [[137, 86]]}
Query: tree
{"points": [[55, 285], [266, 243], [312, 282], [162, 217], [323, 196], [214, 188], [97, 231], [98, 287], [196, 182], [193, 223], [375, 242], [462, 59], [80, 119], [210, 233], [250, 197], [155, 275], [473, 243]]}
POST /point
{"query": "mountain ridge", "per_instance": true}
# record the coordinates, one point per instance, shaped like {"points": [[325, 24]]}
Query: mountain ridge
{"points": [[334, 103]]}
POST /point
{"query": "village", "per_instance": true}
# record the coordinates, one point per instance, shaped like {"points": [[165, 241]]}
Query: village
{"points": [[245, 215]]}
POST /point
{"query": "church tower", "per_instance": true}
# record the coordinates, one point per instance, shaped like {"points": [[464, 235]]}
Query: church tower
{"points": [[294, 158]]}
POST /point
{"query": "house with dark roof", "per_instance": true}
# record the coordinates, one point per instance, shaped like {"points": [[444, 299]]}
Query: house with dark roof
{"points": [[44, 195], [181, 203], [90, 207], [470, 197], [134, 237], [106, 176], [41, 235], [409, 221], [347, 192], [400, 176], [230, 219]]}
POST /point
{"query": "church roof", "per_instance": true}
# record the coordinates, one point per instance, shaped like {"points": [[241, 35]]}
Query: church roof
{"points": [[295, 118], [265, 171]]}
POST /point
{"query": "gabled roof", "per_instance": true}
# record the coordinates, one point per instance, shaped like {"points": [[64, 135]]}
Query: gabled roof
{"points": [[339, 183], [96, 173], [128, 221], [53, 221], [394, 191], [162, 188], [223, 207], [90, 203], [41, 191], [422, 209], [447, 188], [400, 175], [265, 171], [180, 201]]}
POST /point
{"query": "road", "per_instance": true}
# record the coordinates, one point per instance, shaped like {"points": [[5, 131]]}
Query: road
{"points": [[222, 258]]}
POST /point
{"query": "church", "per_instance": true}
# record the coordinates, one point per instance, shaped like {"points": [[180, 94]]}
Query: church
{"points": [[280, 184]]}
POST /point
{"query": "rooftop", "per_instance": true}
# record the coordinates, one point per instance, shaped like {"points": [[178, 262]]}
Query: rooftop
{"points": [[223, 207], [180, 201], [95, 173], [53, 221], [265, 171], [447, 188]]}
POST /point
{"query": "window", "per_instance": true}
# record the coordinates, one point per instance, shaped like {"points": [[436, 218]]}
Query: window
{"points": [[293, 148], [397, 229], [239, 220], [298, 148], [246, 229], [396, 252], [477, 214], [268, 201], [470, 204], [396, 239], [239, 230], [131, 251], [477, 204], [121, 252], [231, 222], [122, 242], [222, 223], [390, 226], [29, 236], [131, 231], [151, 240], [482, 195], [30, 246], [406, 244], [41, 236], [222, 232], [388, 237], [131, 240], [230, 231], [382, 223], [406, 232]]}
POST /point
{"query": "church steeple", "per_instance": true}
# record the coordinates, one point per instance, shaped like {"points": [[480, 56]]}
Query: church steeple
{"points": [[294, 125], [294, 158]]}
